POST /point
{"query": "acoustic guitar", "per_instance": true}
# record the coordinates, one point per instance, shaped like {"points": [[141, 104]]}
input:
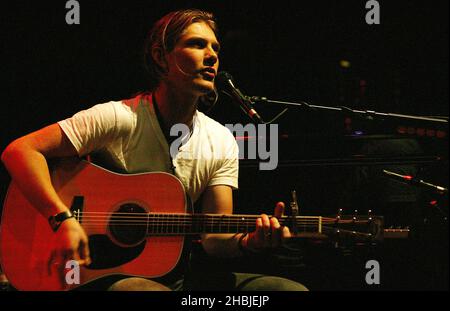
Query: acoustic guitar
{"points": [[136, 225]]}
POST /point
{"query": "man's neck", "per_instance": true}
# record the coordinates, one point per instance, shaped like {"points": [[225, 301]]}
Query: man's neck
{"points": [[175, 107]]}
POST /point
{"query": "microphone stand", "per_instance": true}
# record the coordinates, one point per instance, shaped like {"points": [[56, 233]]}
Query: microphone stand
{"points": [[365, 114]]}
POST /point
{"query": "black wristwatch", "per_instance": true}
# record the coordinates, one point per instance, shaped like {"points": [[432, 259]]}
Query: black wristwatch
{"points": [[56, 220]]}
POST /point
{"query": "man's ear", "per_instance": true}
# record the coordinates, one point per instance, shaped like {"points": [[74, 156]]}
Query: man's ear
{"points": [[159, 58]]}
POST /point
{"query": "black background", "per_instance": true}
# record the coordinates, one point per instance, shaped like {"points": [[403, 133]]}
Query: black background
{"points": [[284, 50]]}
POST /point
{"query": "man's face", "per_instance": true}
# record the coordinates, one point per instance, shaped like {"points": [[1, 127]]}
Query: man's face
{"points": [[194, 61]]}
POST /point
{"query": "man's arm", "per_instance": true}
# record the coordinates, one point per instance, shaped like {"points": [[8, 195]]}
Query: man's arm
{"points": [[219, 200], [26, 161], [268, 233]]}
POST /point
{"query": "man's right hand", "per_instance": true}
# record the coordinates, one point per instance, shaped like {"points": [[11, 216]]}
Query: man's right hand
{"points": [[71, 243]]}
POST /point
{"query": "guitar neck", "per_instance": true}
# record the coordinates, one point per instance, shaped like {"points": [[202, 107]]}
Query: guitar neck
{"points": [[180, 224]]}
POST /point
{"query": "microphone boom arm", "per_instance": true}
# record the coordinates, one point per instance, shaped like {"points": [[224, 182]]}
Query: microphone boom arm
{"points": [[367, 114]]}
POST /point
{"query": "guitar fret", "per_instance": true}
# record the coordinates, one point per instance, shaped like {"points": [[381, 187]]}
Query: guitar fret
{"points": [[194, 223], [216, 228], [166, 223], [210, 223], [202, 223], [149, 228], [188, 225], [164, 227], [158, 219]]}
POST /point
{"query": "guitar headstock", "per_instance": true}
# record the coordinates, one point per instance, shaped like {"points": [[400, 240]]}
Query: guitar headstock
{"points": [[354, 228], [361, 229]]}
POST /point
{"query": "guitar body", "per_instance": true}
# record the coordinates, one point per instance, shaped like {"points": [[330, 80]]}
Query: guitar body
{"points": [[27, 240]]}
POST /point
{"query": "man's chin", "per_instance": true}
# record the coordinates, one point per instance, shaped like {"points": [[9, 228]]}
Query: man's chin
{"points": [[205, 87]]}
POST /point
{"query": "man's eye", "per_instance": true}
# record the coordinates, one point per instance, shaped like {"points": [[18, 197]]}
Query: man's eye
{"points": [[197, 43]]}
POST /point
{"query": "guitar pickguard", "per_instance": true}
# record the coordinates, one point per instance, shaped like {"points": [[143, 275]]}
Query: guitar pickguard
{"points": [[106, 254]]}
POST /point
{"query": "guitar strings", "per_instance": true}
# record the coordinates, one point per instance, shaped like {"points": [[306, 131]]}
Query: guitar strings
{"points": [[324, 229], [173, 223], [157, 222], [206, 220], [172, 217]]}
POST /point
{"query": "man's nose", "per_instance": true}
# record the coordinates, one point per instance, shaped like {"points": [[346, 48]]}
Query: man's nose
{"points": [[211, 57]]}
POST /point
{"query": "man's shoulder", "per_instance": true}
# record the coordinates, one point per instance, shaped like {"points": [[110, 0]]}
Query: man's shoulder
{"points": [[136, 101], [127, 107], [123, 113]]}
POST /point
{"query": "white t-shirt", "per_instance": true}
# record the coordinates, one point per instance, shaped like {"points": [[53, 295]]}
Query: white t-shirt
{"points": [[125, 136]]}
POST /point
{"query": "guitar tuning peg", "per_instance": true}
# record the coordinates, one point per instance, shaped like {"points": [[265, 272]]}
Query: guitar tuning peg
{"points": [[336, 238], [338, 215], [355, 215], [369, 215]]}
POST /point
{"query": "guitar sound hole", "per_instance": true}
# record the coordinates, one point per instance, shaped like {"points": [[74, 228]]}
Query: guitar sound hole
{"points": [[128, 225]]}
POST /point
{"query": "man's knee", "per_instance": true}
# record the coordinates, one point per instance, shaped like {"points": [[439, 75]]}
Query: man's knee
{"points": [[272, 283], [137, 284]]}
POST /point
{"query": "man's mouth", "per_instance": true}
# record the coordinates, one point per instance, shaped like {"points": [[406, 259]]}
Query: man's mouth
{"points": [[208, 73]]}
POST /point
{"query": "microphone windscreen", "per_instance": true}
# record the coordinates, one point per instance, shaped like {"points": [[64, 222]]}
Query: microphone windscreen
{"points": [[222, 80]]}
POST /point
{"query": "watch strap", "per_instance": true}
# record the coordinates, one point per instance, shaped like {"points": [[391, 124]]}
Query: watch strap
{"points": [[55, 221]]}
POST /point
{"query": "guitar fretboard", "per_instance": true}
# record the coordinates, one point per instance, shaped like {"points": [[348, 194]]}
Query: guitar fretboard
{"points": [[174, 224]]}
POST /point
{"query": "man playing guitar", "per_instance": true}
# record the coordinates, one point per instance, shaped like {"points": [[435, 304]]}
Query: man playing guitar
{"points": [[134, 136]]}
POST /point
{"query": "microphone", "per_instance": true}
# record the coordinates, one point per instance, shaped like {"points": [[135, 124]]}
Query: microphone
{"points": [[414, 181], [224, 83]]}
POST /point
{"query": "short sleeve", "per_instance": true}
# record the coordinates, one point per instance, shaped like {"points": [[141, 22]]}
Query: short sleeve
{"points": [[92, 129]]}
